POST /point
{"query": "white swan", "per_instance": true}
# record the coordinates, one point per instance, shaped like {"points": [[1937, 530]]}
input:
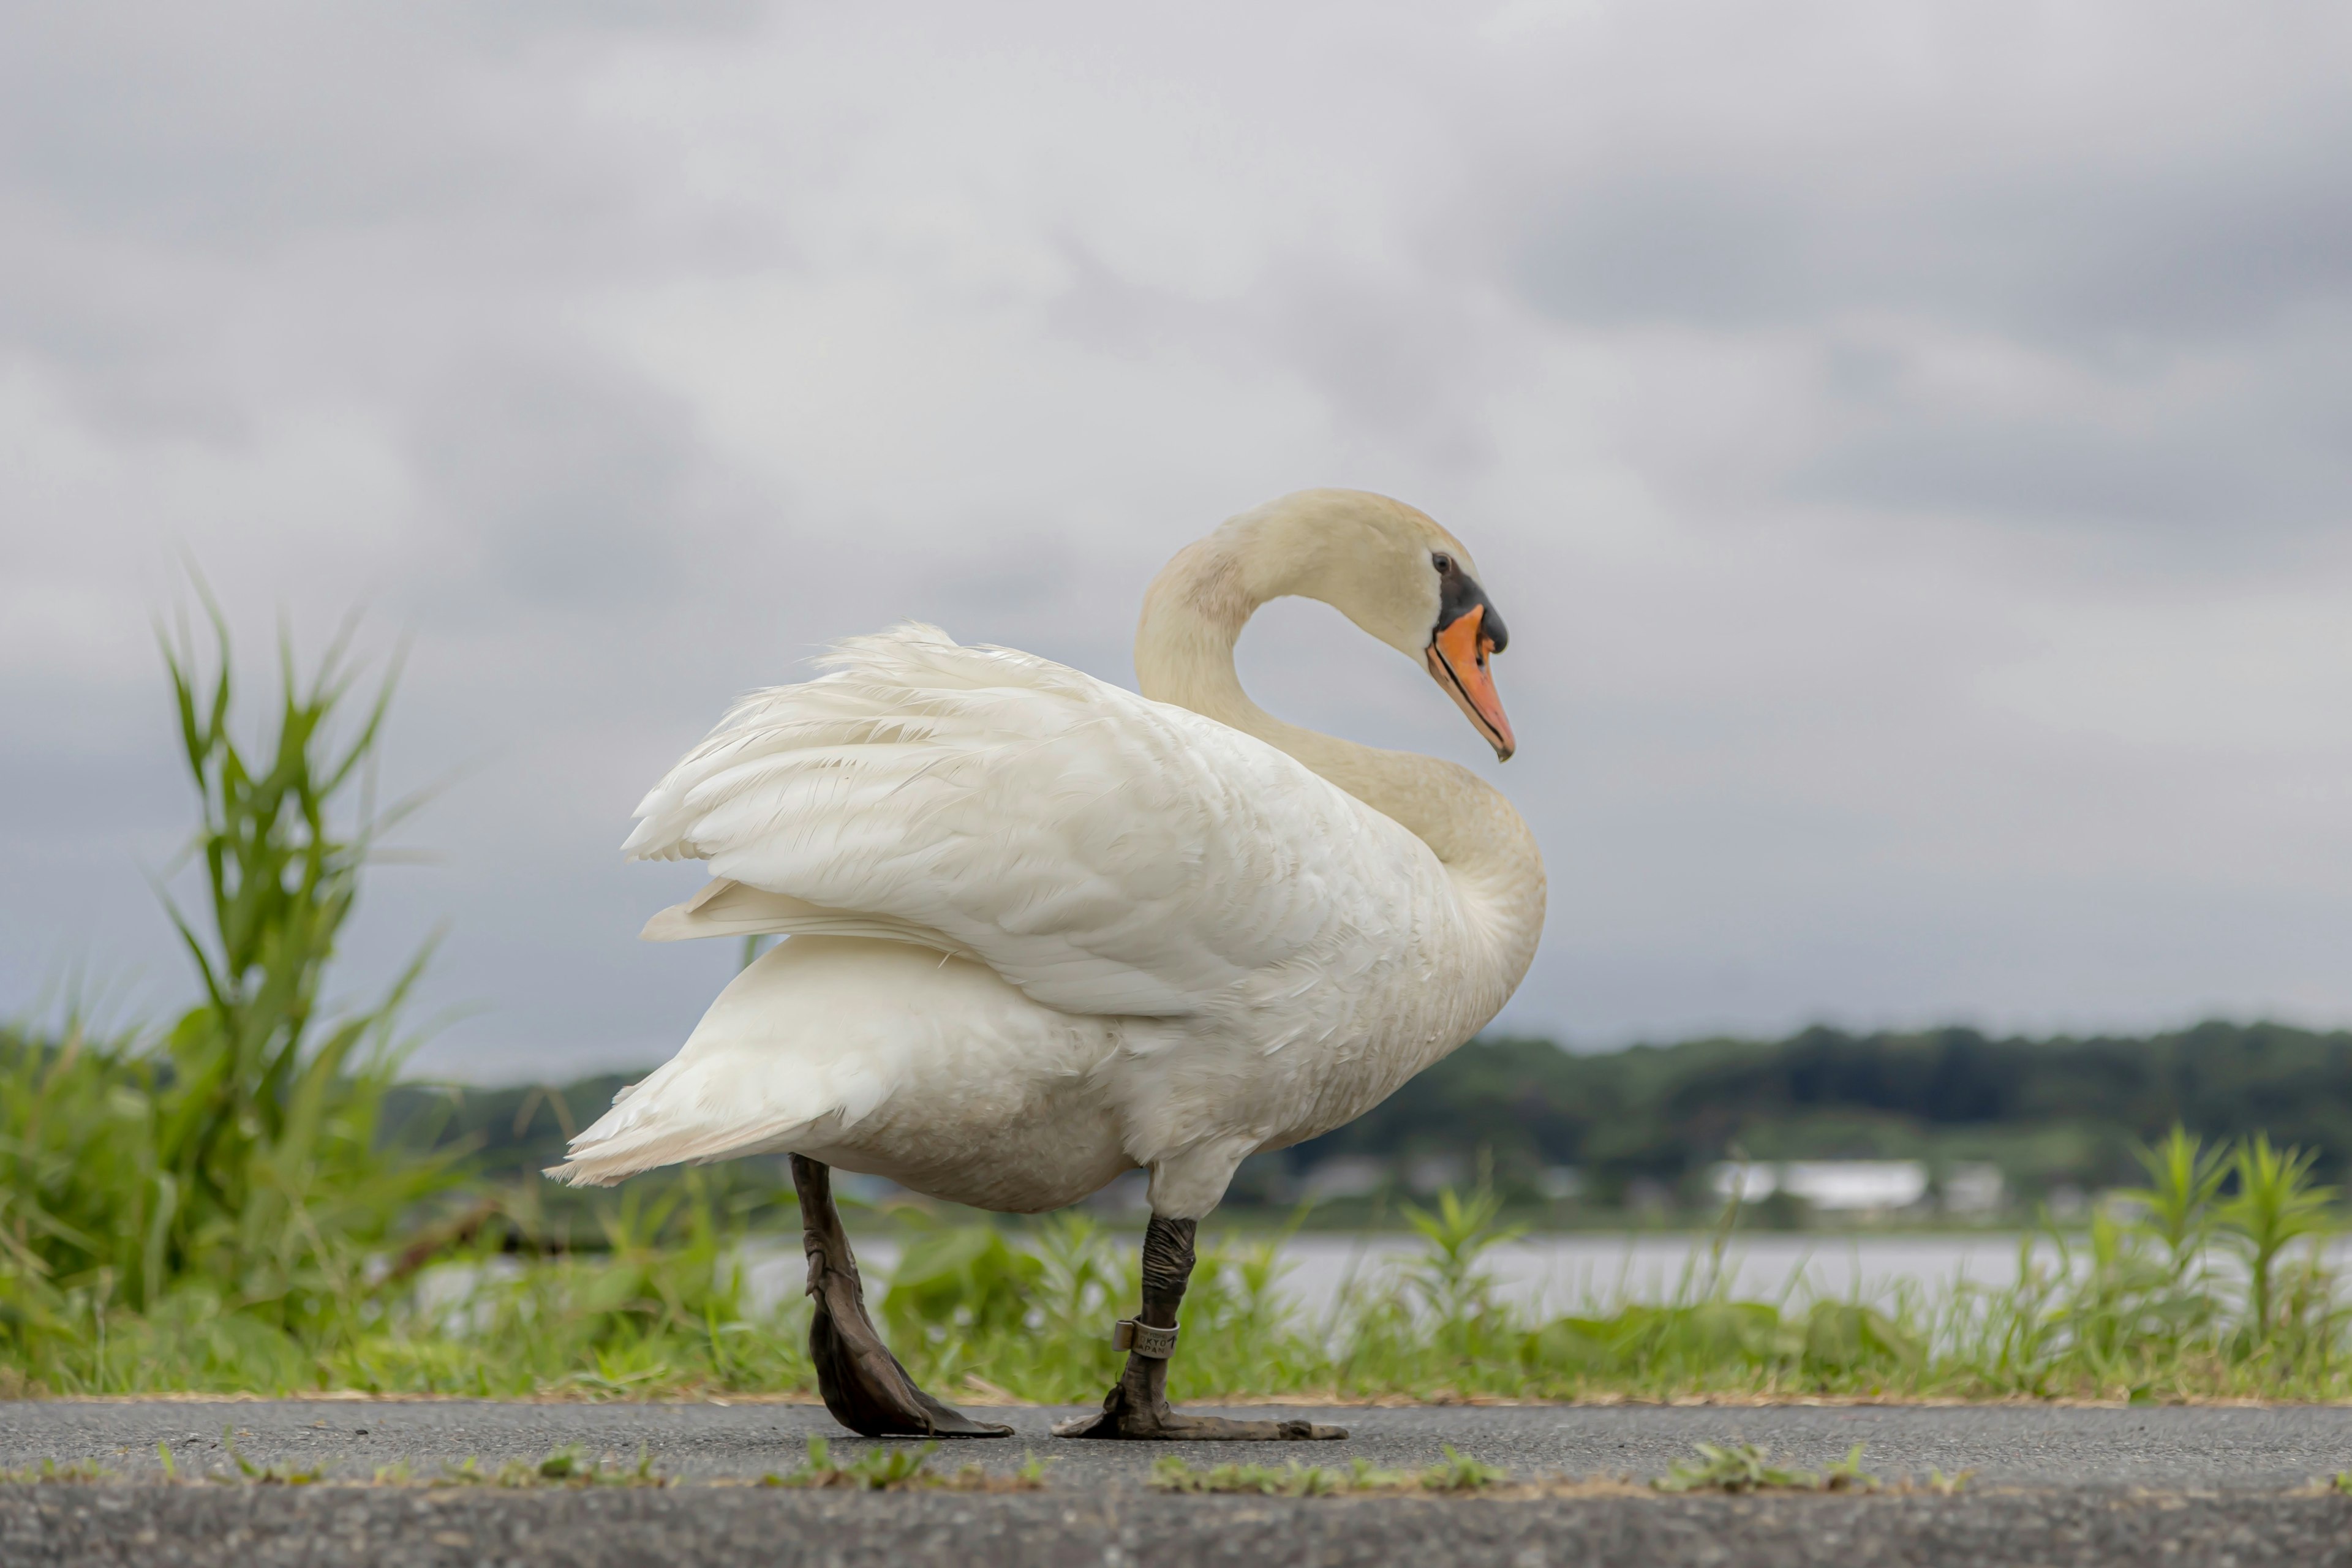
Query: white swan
{"points": [[1045, 931]]}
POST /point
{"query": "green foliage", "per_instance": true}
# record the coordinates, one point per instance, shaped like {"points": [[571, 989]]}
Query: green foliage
{"points": [[214, 1197], [2183, 1178], [964, 1280], [2274, 1206]]}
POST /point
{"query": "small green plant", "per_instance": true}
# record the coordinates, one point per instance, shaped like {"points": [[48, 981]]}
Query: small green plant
{"points": [[1848, 1476], [1744, 1468], [2275, 1205], [74, 1471], [565, 1466], [877, 1469], [276, 1475], [1172, 1474], [1458, 1472], [1952, 1485], [1455, 1291], [568, 1463], [2183, 1177], [170, 1466]]}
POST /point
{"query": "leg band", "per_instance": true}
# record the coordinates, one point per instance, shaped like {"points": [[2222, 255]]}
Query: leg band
{"points": [[1158, 1345]]}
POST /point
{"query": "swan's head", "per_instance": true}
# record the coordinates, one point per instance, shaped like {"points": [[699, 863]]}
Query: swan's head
{"points": [[1393, 571]]}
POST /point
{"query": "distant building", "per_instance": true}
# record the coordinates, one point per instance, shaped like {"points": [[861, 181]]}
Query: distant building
{"points": [[1847, 1186], [1973, 1187]]}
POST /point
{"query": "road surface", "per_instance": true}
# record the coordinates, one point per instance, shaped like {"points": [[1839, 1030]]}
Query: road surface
{"points": [[2051, 1484]]}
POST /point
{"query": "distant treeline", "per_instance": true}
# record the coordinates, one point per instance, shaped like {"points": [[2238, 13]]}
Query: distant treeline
{"points": [[1650, 1119], [2051, 1112]]}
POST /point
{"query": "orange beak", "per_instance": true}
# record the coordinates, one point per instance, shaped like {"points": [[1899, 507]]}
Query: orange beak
{"points": [[1457, 658]]}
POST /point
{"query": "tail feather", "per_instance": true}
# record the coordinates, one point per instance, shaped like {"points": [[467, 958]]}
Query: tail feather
{"points": [[702, 1105]]}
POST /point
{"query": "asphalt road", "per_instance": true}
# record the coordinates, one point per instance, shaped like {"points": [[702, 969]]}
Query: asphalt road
{"points": [[2179, 1485]]}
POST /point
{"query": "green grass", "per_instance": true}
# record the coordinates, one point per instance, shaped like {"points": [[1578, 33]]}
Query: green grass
{"points": [[566, 1467], [1744, 1468], [902, 1469], [1456, 1473], [219, 1204]]}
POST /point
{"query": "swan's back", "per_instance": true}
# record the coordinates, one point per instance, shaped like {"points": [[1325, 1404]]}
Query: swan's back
{"points": [[1104, 853]]}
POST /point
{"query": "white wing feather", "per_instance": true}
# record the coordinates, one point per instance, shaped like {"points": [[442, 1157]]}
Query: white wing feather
{"points": [[1104, 853]]}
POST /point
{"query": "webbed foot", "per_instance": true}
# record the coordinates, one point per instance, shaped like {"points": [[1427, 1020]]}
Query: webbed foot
{"points": [[1124, 1418], [863, 1384], [1137, 1408]]}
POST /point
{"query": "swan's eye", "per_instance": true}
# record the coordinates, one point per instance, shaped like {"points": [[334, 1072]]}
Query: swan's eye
{"points": [[1442, 562]]}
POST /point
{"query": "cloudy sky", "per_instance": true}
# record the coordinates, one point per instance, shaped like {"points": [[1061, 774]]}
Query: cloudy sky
{"points": [[1911, 446]]}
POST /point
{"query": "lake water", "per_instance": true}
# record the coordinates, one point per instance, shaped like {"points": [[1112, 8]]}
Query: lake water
{"points": [[1556, 1274]]}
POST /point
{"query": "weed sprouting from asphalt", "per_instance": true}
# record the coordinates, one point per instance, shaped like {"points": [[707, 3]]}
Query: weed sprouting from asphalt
{"points": [[77, 1473], [565, 1466], [877, 1469], [1746, 1468], [1172, 1474], [1848, 1476], [273, 1475], [1456, 1473]]}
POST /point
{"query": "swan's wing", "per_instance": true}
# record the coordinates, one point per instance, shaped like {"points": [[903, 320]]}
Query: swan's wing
{"points": [[1104, 853]]}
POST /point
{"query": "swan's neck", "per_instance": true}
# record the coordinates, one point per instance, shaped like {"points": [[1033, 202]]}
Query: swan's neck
{"points": [[1192, 617]]}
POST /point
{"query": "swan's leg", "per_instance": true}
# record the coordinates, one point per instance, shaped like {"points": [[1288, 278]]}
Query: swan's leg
{"points": [[863, 1384], [1136, 1406]]}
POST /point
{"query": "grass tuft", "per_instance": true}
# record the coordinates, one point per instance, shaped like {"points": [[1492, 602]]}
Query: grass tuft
{"points": [[1457, 1473], [565, 1466], [277, 1475], [74, 1472], [1744, 1468], [877, 1469]]}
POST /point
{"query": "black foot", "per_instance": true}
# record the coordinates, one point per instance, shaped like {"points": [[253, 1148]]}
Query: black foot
{"points": [[863, 1384], [1136, 1410], [1167, 1425]]}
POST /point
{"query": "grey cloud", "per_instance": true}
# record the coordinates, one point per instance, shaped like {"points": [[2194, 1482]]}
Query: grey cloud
{"points": [[355, 303], [2183, 477], [577, 478], [2057, 250]]}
